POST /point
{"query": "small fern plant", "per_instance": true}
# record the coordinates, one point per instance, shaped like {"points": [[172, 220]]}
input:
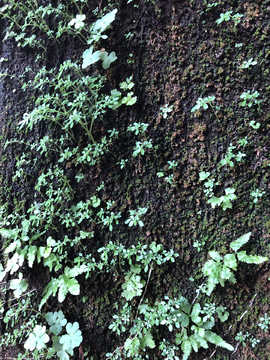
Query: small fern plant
{"points": [[219, 269]]}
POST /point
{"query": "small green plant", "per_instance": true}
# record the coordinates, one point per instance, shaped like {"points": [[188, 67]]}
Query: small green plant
{"points": [[249, 99], [63, 345], [122, 163], [78, 22], [165, 110], [264, 322], [227, 160], [90, 56], [209, 6], [256, 194], [224, 201], [204, 102], [133, 285], [242, 338], [141, 146], [243, 142], [247, 64], [138, 128], [254, 125], [228, 16], [135, 217], [191, 322], [129, 35], [131, 60], [170, 178], [219, 269]]}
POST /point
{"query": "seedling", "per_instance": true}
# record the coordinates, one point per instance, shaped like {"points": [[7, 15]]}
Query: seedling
{"points": [[249, 99], [165, 110], [257, 194], [264, 322], [204, 102], [135, 217], [247, 64], [254, 125]]}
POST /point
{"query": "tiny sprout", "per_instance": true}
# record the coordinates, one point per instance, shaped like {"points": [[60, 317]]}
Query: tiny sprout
{"points": [[246, 64], [78, 21], [165, 110], [254, 125]]}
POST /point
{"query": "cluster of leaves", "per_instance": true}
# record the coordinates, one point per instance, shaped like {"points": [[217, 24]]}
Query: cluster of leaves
{"points": [[191, 324], [219, 269], [63, 344]]}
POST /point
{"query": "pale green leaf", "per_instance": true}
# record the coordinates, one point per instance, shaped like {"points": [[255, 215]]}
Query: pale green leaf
{"points": [[89, 57], [230, 261], [215, 255], [250, 259], [217, 340], [107, 59], [237, 244], [186, 348], [195, 313], [147, 341]]}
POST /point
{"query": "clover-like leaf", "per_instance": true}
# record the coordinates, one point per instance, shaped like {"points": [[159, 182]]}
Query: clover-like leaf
{"points": [[56, 320], [19, 286], [73, 338], [103, 23], [107, 59], [37, 339], [89, 57]]}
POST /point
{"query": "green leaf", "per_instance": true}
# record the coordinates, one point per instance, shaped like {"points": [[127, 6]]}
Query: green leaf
{"points": [[195, 313], [226, 205], [217, 340], [214, 201], [132, 287], [49, 290], [237, 244], [9, 233], [31, 254], [18, 285], [107, 59], [250, 259], [230, 261], [103, 23], [56, 320], [155, 248], [73, 338], [89, 57], [37, 339], [254, 125], [203, 175], [63, 355], [186, 348], [12, 246], [185, 306], [222, 314], [147, 341], [225, 274], [184, 320], [200, 340], [215, 255]]}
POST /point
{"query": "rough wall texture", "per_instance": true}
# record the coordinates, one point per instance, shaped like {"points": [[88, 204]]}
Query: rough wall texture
{"points": [[180, 54]]}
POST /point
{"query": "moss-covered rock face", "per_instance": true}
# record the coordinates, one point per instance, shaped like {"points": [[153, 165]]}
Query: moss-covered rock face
{"points": [[75, 184]]}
